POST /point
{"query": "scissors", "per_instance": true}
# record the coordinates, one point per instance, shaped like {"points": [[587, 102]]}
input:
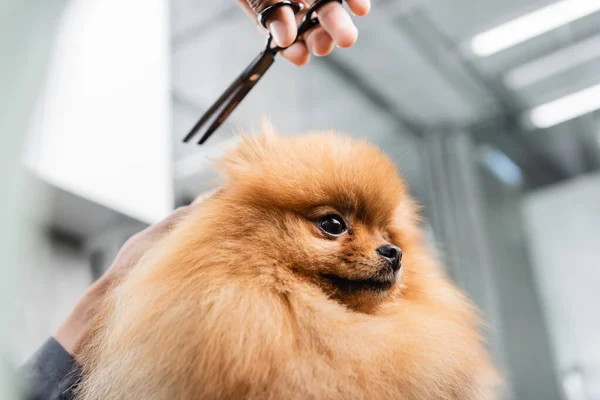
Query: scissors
{"points": [[240, 88]]}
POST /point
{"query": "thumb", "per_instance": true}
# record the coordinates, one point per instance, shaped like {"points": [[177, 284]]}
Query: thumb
{"points": [[281, 24]]}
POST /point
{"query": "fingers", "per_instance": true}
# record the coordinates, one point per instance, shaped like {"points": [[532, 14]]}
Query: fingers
{"points": [[338, 24], [137, 245], [204, 196], [336, 28], [319, 42], [168, 223], [316, 41], [282, 26], [173, 218], [360, 8], [297, 54]]}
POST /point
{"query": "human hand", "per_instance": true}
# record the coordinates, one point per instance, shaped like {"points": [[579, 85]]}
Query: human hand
{"points": [[137, 245], [74, 329], [336, 27]]}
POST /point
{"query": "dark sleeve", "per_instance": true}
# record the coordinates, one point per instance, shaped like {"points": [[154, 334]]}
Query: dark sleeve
{"points": [[50, 373]]}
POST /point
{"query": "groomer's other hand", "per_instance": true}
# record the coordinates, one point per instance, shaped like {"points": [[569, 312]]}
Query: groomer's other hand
{"points": [[137, 245], [336, 27], [74, 329]]}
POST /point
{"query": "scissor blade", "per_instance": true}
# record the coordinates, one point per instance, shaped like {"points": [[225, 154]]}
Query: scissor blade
{"points": [[234, 87], [228, 108], [234, 94]]}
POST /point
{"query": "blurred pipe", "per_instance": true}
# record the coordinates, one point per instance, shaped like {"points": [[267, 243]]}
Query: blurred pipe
{"points": [[460, 225]]}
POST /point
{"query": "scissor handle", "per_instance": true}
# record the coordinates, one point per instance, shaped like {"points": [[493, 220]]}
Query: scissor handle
{"points": [[308, 22], [264, 15]]}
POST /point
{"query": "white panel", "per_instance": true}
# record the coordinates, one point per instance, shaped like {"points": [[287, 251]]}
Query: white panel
{"points": [[563, 224], [102, 129]]}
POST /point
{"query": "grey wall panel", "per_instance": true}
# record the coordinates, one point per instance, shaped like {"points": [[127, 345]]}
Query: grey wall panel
{"points": [[562, 225]]}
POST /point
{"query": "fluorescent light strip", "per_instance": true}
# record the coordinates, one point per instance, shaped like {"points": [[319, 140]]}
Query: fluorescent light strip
{"points": [[566, 108], [531, 25], [554, 64]]}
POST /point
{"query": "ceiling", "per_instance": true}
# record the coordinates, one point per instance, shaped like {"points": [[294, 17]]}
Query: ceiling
{"points": [[410, 74]]}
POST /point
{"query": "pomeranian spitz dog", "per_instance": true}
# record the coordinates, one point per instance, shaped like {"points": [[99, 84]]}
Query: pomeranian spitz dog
{"points": [[306, 276]]}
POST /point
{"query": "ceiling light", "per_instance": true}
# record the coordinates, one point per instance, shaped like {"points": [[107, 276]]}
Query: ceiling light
{"points": [[554, 63], [501, 165], [566, 108], [531, 25]]}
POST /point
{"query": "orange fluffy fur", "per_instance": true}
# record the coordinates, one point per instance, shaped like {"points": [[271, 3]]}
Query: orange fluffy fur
{"points": [[232, 304]]}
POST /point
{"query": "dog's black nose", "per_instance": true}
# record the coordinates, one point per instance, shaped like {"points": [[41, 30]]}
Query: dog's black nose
{"points": [[391, 253]]}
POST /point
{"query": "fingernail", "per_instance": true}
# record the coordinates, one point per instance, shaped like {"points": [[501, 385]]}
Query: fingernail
{"points": [[278, 30], [361, 8], [366, 4]]}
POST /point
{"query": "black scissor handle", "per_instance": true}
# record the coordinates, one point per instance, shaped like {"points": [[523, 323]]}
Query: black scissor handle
{"points": [[264, 15], [308, 22]]}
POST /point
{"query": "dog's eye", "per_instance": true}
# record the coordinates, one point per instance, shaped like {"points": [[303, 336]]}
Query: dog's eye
{"points": [[332, 224]]}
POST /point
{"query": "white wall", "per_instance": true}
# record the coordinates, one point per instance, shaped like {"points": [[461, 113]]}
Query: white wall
{"points": [[563, 223], [102, 129]]}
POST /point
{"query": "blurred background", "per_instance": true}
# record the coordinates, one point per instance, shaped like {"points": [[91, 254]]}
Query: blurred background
{"points": [[489, 109]]}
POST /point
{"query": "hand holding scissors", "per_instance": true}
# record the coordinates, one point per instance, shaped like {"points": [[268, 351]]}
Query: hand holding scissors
{"points": [[238, 90], [336, 27]]}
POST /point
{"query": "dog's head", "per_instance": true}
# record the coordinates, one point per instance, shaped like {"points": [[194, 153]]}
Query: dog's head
{"points": [[322, 205]]}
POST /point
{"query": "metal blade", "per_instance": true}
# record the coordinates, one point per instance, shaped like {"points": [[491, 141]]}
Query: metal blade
{"points": [[234, 94]]}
